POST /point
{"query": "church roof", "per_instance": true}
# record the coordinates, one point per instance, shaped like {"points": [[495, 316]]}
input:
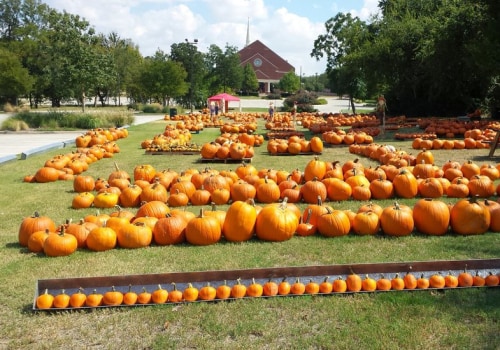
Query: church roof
{"points": [[266, 63]]}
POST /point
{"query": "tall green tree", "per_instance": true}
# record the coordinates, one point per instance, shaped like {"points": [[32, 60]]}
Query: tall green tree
{"points": [[78, 62], [163, 78], [188, 55], [289, 82], [15, 80], [250, 82]]}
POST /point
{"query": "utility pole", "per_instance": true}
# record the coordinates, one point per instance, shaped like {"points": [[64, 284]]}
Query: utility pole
{"points": [[191, 68]]}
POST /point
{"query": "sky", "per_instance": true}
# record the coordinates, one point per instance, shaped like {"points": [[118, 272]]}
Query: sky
{"points": [[287, 27]]}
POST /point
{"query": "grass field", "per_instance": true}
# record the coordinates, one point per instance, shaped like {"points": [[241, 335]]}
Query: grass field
{"points": [[451, 319]]}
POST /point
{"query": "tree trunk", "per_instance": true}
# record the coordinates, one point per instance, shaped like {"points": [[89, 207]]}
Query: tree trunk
{"points": [[83, 101], [353, 107]]}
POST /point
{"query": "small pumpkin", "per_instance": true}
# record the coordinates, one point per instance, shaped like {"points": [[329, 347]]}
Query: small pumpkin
{"points": [[207, 292], [45, 300], [255, 290], [238, 290], [112, 297], [190, 293], [159, 295]]}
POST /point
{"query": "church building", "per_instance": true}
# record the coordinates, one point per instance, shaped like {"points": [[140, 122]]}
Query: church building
{"points": [[269, 67]]}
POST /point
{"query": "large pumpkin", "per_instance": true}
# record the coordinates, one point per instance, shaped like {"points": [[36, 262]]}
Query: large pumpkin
{"points": [[276, 223], [137, 235], [170, 230], [61, 244], [32, 224], [315, 168], [397, 220], [203, 230], [239, 224], [334, 223], [469, 217], [431, 217], [405, 184]]}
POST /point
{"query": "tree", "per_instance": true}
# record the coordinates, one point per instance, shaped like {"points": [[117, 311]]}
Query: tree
{"points": [[289, 82], [227, 72], [250, 82], [14, 78], [163, 78], [192, 60], [344, 45]]}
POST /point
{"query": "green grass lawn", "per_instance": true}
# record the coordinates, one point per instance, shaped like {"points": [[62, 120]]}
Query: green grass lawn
{"points": [[451, 319]]}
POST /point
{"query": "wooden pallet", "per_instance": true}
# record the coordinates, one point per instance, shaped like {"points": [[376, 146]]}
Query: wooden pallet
{"points": [[299, 154], [225, 160], [170, 153]]}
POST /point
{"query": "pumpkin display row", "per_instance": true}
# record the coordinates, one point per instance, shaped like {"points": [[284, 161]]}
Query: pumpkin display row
{"points": [[329, 180], [352, 283], [155, 223]]}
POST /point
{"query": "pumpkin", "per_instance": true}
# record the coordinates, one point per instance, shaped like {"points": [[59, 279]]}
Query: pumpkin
{"points": [[383, 283], [311, 287], [305, 228], [478, 280], [239, 223], [37, 239], [436, 281], [276, 223], [101, 239], [159, 295], [112, 297], [465, 279], [178, 199], [46, 174], [60, 244], [223, 291], [334, 223], [77, 299], [325, 287], [201, 196], [339, 285], [207, 292], [397, 283], [154, 208], [82, 200], [366, 223], [270, 288], [491, 280], [297, 288], [175, 295], [284, 287], [312, 190], [105, 200], [494, 209], [410, 281], [397, 220], [153, 192], [422, 282], [242, 190], [144, 297], [315, 168], [405, 184], [353, 282], [136, 235], [80, 230], [368, 284], [481, 186], [32, 224], [190, 293], [170, 230], [45, 300], [268, 191], [94, 299], [431, 217], [238, 290], [254, 290], [203, 230], [469, 217], [450, 280], [130, 297], [144, 172], [339, 190]]}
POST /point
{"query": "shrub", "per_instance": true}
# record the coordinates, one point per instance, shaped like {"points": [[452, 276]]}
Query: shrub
{"points": [[152, 108]]}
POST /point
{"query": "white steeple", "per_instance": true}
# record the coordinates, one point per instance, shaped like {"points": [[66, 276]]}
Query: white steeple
{"points": [[248, 33]]}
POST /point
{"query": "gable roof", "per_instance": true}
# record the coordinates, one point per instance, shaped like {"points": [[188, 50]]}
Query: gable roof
{"points": [[273, 67]]}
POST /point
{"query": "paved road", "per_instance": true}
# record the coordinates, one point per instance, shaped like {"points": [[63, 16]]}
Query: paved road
{"points": [[14, 144]]}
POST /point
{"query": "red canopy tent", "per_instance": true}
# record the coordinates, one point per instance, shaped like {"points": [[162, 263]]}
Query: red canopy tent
{"points": [[223, 101]]}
